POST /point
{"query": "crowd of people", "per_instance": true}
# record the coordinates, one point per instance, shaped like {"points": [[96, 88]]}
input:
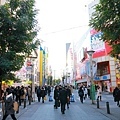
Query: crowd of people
{"points": [[61, 96], [12, 94]]}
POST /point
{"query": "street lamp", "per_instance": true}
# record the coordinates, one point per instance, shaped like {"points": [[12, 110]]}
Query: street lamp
{"points": [[32, 59], [92, 89]]}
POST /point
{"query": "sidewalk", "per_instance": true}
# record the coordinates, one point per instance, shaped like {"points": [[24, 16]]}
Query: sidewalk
{"points": [[85, 111], [114, 109], [21, 110]]}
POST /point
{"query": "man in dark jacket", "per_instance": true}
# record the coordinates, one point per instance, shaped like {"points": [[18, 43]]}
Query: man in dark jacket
{"points": [[56, 96], [39, 93], [43, 93], [116, 95], [68, 95], [63, 99], [81, 93]]}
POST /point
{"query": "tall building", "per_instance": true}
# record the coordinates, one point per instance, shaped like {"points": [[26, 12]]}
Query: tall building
{"points": [[106, 74]]}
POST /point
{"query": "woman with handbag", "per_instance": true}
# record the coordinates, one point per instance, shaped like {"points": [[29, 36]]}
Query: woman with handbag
{"points": [[9, 105]]}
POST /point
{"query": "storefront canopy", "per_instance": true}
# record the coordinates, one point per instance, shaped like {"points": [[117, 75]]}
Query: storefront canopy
{"points": [[81, 80]]}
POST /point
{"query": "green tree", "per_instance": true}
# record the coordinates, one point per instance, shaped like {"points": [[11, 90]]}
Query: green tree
{"points": [[106, 18], [58, 81], [18, 31]]}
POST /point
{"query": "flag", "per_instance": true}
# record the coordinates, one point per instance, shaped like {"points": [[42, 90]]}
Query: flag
{"points": [[67, 48], [41, 66]]}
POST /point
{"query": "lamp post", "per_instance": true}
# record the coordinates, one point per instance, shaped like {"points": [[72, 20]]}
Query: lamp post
{"points": [[92, 89], [32, 77]]}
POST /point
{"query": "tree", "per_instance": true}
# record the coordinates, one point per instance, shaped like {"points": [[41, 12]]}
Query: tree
{"points": [[18, 31], [106, 18]]}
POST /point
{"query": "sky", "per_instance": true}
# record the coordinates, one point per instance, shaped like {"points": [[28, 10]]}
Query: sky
{"points": [[61, 22]]}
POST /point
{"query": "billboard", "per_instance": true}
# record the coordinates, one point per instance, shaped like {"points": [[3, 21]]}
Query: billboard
{"points": [[97, 43]]}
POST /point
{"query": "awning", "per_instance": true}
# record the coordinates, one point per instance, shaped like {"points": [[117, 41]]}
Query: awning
{"points": [[81, 80]]}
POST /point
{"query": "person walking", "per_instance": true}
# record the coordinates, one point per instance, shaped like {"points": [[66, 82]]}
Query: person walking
{"points": [[43, 94], [17, 93], [9, 105], [39, 93], [99, 93], [68, 96], [81, 93], [85, 92], [116, 95], [63, 99], [56, 97], [29, 93]]}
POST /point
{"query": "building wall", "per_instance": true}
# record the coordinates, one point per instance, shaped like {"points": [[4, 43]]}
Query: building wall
{"points": [[105, 57], [112, 69]]}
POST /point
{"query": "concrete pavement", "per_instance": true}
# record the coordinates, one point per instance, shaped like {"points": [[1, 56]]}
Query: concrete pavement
{"points": [[77, 111]]}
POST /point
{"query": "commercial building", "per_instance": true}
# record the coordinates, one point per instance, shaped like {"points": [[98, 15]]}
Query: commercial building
{"points": [[106, 70]]}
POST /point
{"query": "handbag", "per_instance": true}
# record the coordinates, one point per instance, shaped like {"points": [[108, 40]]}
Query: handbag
{"points": [[15, 106], [45, 98]]}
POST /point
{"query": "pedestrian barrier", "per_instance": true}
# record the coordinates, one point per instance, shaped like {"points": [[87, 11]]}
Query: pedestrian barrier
{"points": [[108, 108]]}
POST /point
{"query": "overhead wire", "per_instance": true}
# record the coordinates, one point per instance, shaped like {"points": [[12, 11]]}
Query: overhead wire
{"points": [[66, 29]]}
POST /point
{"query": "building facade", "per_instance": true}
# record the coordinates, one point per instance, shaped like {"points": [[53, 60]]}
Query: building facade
{"points": [[105, 68]]}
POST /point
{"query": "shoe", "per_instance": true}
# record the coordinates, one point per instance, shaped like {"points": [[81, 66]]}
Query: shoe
{"points": [[63, 112], [67, 107]]}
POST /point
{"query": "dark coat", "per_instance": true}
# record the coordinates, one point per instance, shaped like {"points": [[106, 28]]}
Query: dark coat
{"points": [[38, 92], [116, 94], [81, 92], [9, 106], [43, 93], [63, 96], [68, 92], [56, 94]]}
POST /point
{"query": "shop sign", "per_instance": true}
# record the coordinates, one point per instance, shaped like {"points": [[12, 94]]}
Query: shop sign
{"points": [[104, 77], [96, 43]]}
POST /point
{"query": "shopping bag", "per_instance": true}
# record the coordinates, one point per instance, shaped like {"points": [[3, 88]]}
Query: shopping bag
{"points": [[15, 106], [45, 98], [50, 98]]}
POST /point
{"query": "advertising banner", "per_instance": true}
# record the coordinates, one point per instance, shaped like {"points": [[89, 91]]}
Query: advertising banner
{"points": [[96, 43]]}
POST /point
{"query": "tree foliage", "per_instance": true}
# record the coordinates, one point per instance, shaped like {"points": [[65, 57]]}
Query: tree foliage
{"points": [[18, 31], [106, 18]]}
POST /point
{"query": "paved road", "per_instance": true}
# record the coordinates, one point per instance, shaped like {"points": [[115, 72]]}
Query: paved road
{"points": [[77, 111]]}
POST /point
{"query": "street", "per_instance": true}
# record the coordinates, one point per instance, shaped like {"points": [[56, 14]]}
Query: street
{"points": [[77, 110]]}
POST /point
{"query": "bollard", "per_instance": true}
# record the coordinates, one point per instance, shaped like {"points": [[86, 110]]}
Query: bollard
{"points": [[25, 103], [108, 108], [97, 103]]}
